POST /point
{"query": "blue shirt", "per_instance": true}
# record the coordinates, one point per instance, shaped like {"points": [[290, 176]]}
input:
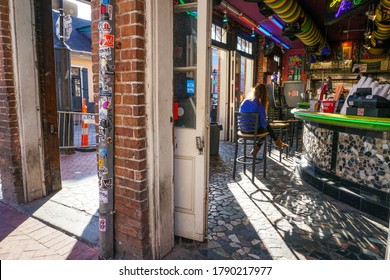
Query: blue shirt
{"points": [[254, 106]]}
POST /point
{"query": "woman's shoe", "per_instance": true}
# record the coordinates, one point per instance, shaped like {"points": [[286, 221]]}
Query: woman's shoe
{"points": [[255, 151], [279, 143]]}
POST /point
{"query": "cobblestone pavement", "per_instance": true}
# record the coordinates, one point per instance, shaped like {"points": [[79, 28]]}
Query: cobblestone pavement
{"points": [[280, 217]]}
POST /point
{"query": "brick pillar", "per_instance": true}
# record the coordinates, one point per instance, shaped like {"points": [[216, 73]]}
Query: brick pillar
{"points": [[131, 221], [10, 159], [261, 65]]}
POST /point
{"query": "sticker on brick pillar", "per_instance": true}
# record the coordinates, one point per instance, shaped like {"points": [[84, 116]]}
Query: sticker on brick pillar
{"points": [[105, 67], [102, 224], [107, 40], [103, 170], [103, 153], [103, 197], [105, 27], [106, 183], [105, 53]]}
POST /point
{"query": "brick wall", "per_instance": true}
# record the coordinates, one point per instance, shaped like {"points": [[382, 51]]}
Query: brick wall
{"points": [[10, 160], [131, 232], [261, 66]]}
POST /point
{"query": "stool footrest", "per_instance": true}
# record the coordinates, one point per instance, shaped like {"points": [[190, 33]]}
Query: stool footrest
{"points": [[248, 160]]}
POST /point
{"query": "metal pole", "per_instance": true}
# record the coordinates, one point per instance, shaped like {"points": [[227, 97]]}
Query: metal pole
{"points": [[106, 128], [387, 255]]}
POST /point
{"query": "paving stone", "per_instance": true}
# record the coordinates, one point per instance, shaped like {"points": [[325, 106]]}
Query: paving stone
{"points": [[221, 252], [255, 242], [234, 245], [229, 226], [219, 228], [234, 238], [213, 244], [243, 251]]}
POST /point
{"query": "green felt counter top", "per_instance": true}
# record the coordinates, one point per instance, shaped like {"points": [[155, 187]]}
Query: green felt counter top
{"points": [[362, 122]]}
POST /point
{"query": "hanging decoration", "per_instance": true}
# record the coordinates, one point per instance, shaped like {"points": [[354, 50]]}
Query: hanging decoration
{"points": [[291, 13]]}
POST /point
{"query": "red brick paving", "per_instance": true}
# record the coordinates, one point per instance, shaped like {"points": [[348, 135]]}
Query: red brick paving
{"points": [[25, 238], [78, 165]]}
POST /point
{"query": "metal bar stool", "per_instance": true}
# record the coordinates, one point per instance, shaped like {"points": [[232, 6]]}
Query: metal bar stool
{"points": [[245, 127], [281, 129], [298, 134], [293, 129]]}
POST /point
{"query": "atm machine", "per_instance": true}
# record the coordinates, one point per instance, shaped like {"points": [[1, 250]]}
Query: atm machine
{"points": [[274, 92], [293, 92]]}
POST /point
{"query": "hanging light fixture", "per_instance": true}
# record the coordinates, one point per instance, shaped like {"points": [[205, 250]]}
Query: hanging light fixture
{"points": [[225, 18], [276, 22], [253, 35], [325, 51]]}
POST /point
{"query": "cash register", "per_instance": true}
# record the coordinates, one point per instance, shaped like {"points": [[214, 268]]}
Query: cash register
{"points": [[363, 103]]}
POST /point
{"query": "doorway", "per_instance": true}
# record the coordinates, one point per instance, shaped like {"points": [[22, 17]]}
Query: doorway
{"points": [[219, 102], [191, 80], [241, 83]]}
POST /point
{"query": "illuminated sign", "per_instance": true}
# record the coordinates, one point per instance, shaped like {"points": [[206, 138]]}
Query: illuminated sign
{"points": [[190, 13], [338, 9]]}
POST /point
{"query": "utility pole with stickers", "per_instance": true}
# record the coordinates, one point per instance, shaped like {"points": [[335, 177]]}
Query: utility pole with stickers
{"points": [[106, 128]]}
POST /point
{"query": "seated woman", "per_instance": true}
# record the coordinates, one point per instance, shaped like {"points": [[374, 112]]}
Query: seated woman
{"points": [[258, 103]]}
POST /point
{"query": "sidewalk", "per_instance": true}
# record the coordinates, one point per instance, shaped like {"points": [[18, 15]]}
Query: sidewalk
{"points": [[25, 238], [62, 225], [73, 209]]}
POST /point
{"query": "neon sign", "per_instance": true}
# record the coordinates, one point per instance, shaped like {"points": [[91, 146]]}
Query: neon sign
{"points": [[338, 8], [190, 13], [345, 6], [335, 2]]}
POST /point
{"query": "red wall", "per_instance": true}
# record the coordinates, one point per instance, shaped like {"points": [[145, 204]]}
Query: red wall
{"points": [[286, 64]]}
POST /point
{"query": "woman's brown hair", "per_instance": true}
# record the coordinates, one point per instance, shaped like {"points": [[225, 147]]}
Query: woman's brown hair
{"points": [[260, 93]]}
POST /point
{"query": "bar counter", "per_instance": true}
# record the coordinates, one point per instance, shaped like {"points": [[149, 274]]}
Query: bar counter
{"points": [[348, 158]]}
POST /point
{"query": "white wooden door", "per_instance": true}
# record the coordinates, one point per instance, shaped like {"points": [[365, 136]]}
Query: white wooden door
{"points": [[191, 83]]}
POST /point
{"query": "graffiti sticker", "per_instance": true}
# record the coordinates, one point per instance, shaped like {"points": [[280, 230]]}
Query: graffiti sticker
{"points": [[105, 53], [103, 197], [106, 183], [105, 27], [103, 171], [106, 68], [103, 153], [102, 224], [107, 40]]}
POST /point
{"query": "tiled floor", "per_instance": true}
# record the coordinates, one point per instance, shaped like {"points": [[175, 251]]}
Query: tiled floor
{"points": [[279, 217]]}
